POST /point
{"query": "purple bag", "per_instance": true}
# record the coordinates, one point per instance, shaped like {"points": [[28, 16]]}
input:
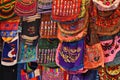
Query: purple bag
{"points": [[89, 75], [70, 55], [44, 6]]}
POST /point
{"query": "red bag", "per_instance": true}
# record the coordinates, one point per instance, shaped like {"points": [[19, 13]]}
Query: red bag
{"points": [[25, 7], [66, 10]]}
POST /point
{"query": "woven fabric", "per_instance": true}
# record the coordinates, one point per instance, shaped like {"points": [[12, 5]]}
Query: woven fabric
{"points": [[25, 7], [89, 75], [70, 32], [44, 6], [8, 28], [52, 74], [6, 9], [105, 22], [30, 31], [109, 73], [27, 53], [33, 73], [10, 52]]}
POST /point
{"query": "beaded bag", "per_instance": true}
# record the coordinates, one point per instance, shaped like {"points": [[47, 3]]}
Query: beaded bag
{"points": [[66, 10], [48, 28], [47, 51]]}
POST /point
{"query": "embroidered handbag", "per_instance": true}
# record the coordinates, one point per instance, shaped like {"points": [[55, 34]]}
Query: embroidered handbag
{"points": [[6, 9], [89, 75], [69, 55], [48, 28], [44, 6], [105, 22], [47, 51], [115, 61], [110, 47], [106, 5], [75, 27], [28, 53], [94, 56], [66, 10], [8, 28], [73, 31], [10, 52], [109, 73], [53, 74], [30, 31], [25, 7]]}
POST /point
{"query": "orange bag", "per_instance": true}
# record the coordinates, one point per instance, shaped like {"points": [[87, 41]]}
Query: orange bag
{"points": [[94, 56], [73, 31]]}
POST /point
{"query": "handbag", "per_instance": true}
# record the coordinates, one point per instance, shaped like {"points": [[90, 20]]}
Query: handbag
{"points": [[7, 9], [47, 52], [25, 7], [44, 6], [48, 28], [8, 29], [70, 55], [66, 10]]}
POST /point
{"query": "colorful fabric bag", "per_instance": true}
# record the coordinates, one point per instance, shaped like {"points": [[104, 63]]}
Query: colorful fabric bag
{"points": [[44, 6], [10, 52], [66, 10], [6, 9], [115, 61], [48, 28], [47, 52], [89, 75], [106, 5], [109, 73], [53, 74], [105, 22], [110, 47], [94, 56], [25, 7], [30, 31], [70, 55], [8, 28], [73, 31], [27, 53], [30, 71]]}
